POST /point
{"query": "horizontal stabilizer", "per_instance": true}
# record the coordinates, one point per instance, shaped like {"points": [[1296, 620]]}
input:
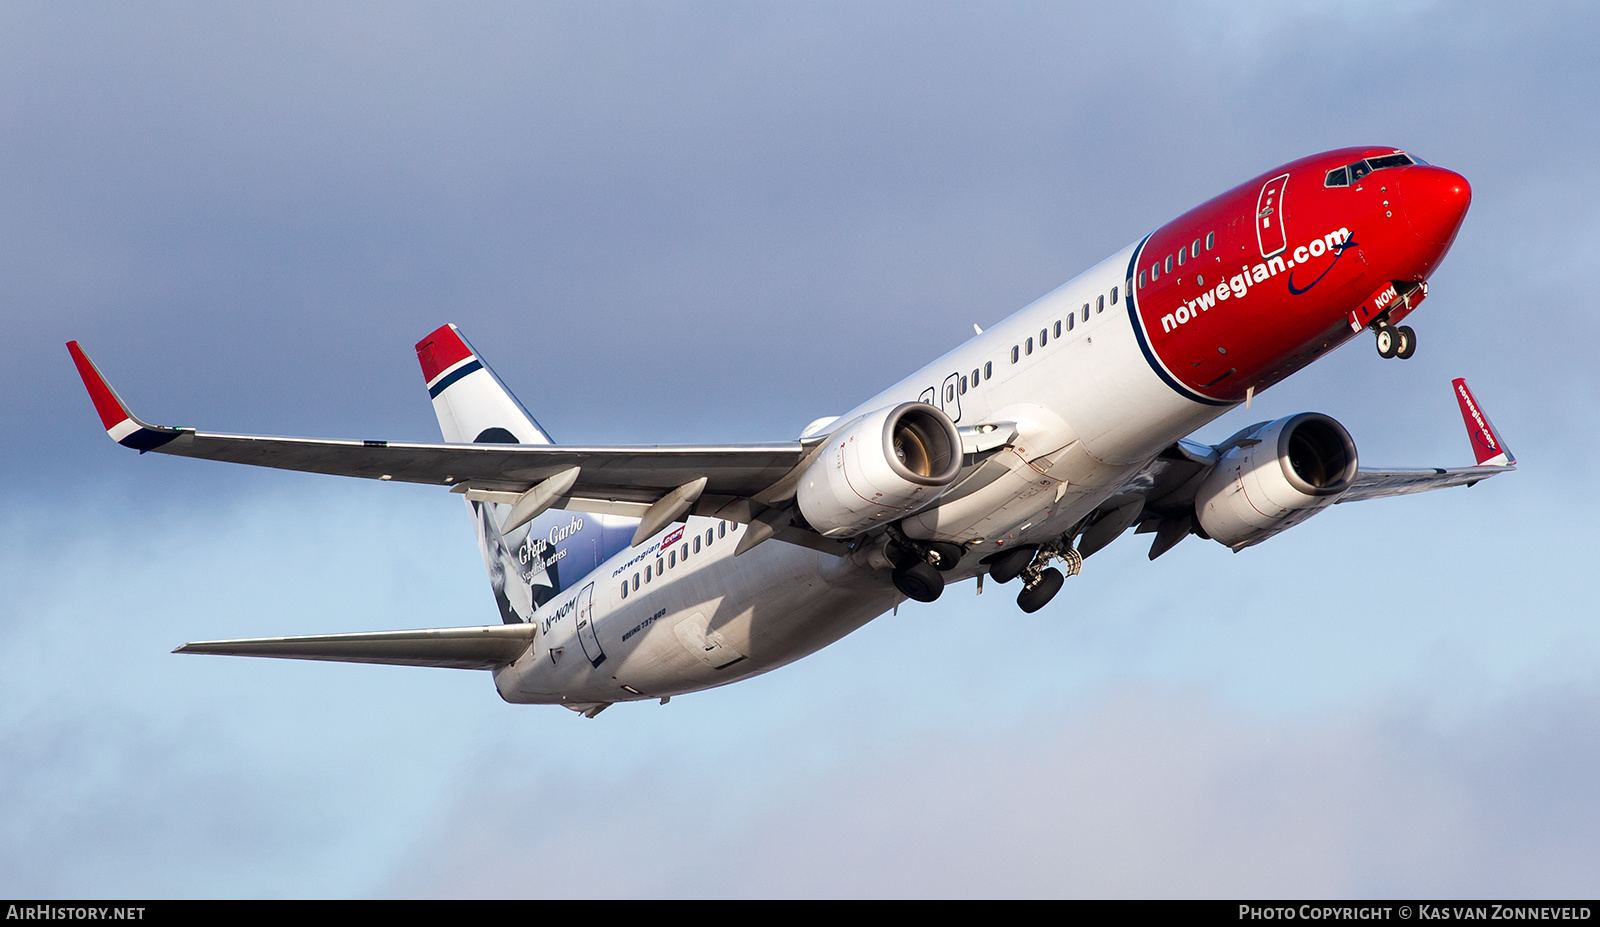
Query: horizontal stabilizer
{"points": [[454, 648]]}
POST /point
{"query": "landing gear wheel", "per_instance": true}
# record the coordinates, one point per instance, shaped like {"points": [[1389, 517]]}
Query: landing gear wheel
{"points": [[1388, 342], [1037, 596], [1408, 342], [1006, 566], [919, 581], [944, 555]]}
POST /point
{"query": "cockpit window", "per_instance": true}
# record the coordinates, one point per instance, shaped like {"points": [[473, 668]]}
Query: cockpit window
{"points": [[1352, 173], [1394, 160]]}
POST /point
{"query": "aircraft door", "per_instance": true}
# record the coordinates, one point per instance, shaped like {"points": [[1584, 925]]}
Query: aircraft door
{"points": [[1269, 216], [584, 615], [950, 397]]}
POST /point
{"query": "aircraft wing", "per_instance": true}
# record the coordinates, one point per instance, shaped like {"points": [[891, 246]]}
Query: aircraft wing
{"points": [[610, 480], [1381, 484], [454, 648], [1493, 458], [1161, 498]]}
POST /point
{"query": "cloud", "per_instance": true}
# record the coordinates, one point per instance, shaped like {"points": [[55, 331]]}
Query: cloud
{"points": [[1139, 792]]}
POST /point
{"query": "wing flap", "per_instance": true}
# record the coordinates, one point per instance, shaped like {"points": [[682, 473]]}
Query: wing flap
{"points": [[453, 648]]}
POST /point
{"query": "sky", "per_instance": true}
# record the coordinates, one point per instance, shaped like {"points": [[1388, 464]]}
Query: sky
{"points": [[701, 222]]}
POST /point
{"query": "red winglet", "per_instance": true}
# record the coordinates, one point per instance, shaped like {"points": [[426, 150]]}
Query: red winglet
{"points": [[440, 350], [1486, 443], [111, 408]]}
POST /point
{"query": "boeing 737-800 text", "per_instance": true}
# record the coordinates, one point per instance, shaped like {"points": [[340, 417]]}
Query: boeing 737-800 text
{"points": [[627, 573]]}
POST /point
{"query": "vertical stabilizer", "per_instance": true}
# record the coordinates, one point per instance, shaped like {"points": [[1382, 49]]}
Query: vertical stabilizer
{"points": [[534, 562], [472, 404]]}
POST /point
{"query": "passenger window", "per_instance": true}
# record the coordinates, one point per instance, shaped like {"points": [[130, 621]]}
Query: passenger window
{"points": [[1070, 320], [963, 385], [685, 554], [975, 378], [1211, 240], [988, 369], [647, 572], [659, 567], [672, 558], [1141, 279], [1044, 337], [950, 392], [722, 529], [1168, 268], [1183, 255], [1114, 293], [708, 537], [1086, 312], [1155, 272], [624, 589], [697, 543], [1100, 304], [1029, 343], [1016, 354], [1058, 328], [1194, 249]]}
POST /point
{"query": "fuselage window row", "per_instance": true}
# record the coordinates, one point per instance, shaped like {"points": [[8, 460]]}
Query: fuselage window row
{"points": [[632, 585], [1160, 267]]}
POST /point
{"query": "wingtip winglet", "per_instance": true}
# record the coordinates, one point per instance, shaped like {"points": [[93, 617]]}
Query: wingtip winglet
{"points": [[121, 424], [107, 404], [1487, 445]]}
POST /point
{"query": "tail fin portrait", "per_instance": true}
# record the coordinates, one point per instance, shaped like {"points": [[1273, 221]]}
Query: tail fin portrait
{"points": [[533, 562]]}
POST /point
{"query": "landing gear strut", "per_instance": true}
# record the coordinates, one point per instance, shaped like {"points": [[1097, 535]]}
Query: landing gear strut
{"points": [[1040, 582]]}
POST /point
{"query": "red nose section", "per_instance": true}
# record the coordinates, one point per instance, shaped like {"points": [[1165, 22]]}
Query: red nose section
{"points": [[1434, 201]]}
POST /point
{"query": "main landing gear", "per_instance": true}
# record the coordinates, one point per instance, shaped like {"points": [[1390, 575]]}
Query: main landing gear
{"points": [[1040, 582], [919, 567], [1395, 341]]}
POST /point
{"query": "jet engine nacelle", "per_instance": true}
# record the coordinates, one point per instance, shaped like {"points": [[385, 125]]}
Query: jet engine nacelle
{"points": [[880, 467], [1274, 477]]}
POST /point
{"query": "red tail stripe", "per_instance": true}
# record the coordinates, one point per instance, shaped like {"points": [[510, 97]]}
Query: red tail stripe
{"points": [[441, 350]]}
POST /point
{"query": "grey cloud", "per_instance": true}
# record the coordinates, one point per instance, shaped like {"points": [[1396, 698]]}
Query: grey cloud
{"points": [[1142, 792]]}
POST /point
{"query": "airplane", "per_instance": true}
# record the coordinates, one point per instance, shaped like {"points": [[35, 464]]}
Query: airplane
{"points": [[632, 573]]}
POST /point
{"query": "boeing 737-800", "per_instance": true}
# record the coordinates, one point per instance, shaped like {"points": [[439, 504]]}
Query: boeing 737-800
{"points": [[627, 573]]}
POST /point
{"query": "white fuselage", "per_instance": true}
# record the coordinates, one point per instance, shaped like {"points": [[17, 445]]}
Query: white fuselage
{"points": [[1090, 412]]}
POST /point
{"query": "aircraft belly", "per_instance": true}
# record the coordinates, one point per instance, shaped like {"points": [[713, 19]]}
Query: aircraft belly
{"points": [[702, 630]]}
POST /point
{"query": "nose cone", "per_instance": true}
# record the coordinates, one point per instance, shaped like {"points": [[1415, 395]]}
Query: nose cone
{"points": [[1434, 202]]}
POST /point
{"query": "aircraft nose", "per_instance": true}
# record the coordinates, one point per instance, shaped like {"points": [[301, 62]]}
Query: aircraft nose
{"points": [[1434, 201]]}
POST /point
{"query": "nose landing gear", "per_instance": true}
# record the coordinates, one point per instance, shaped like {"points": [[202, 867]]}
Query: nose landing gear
{"points": [[1395, 341]]}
